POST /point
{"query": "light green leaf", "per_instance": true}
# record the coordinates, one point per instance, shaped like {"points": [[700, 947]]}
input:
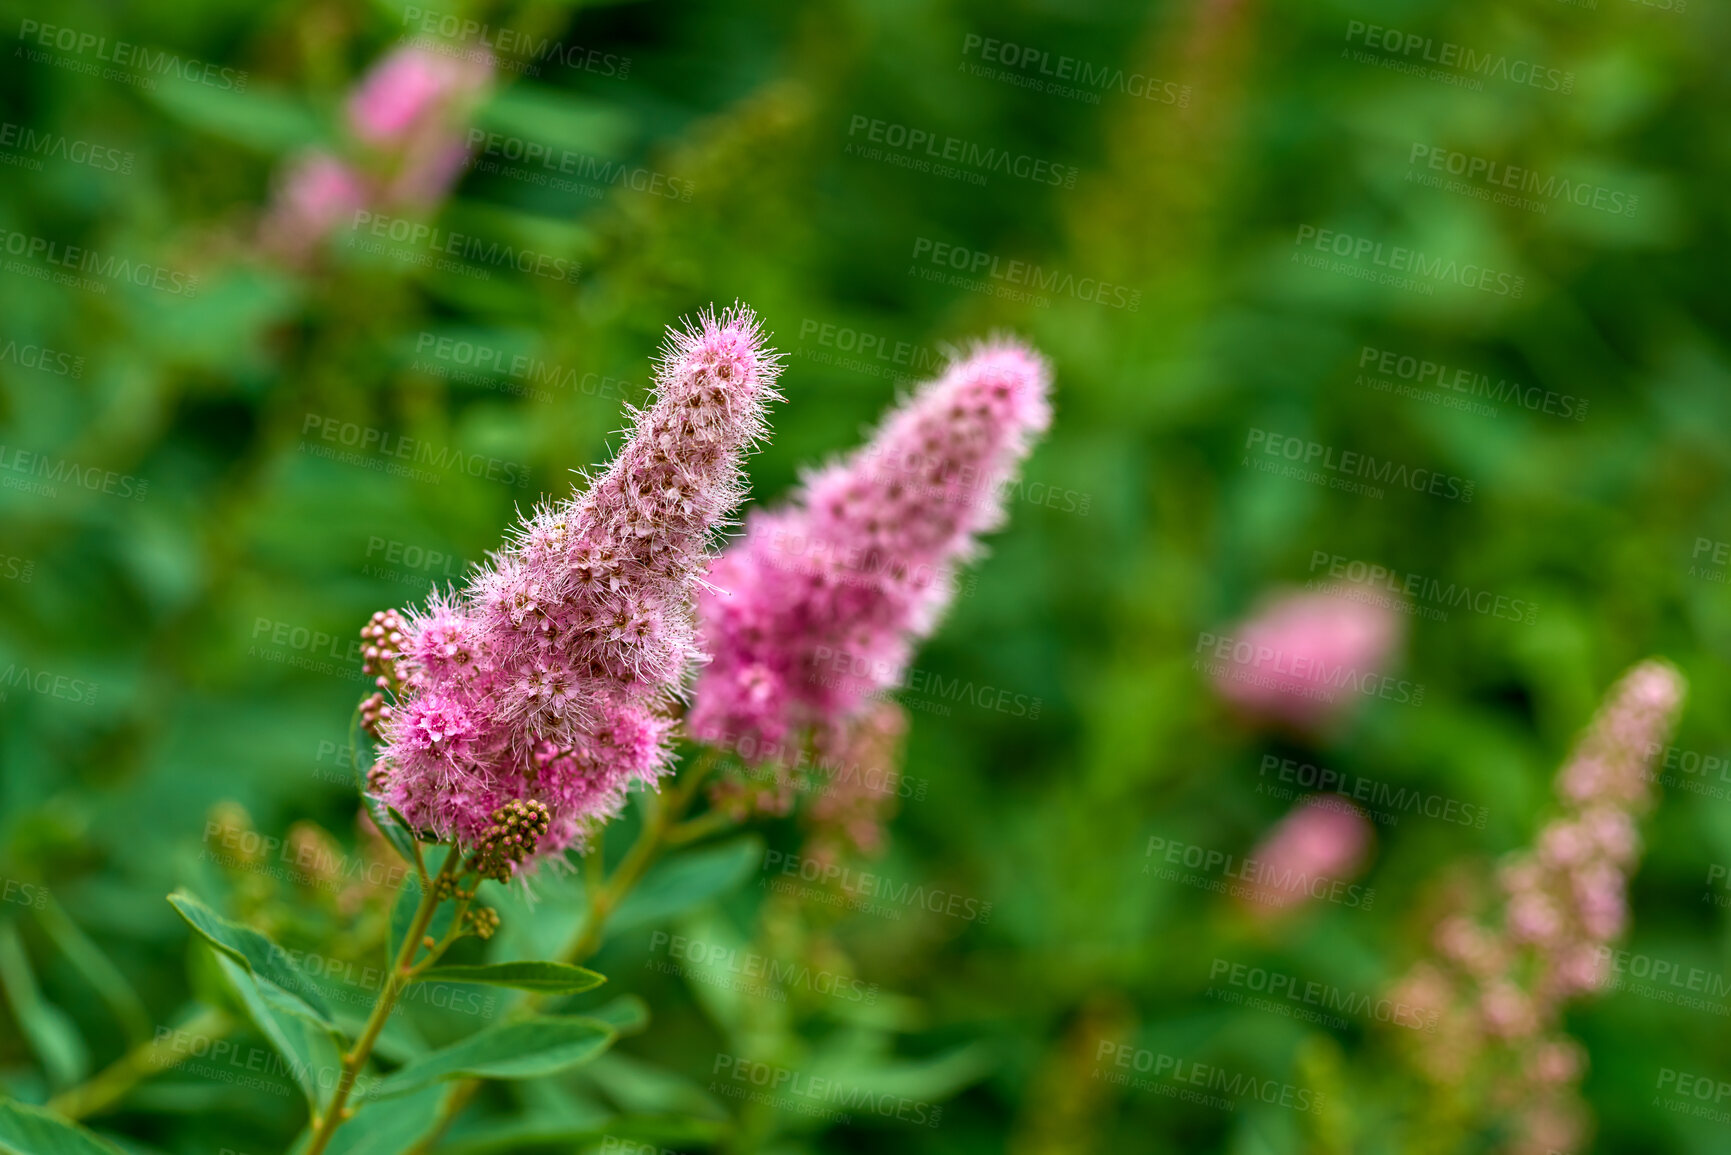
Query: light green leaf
{"points": [[97, 970], [255, 118], [521, 1050], [687, 880], [552, 978], [627, 1014], [33, 1131], [641, 1087], [279, 980], [558, 120]]}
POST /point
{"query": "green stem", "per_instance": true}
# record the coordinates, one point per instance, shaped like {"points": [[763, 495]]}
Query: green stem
{"points": [[700, 827], [402, 969], [604, 899], [108, 1086]]}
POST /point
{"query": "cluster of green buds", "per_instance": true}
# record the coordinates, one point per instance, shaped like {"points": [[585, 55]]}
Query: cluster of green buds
{"points": [[517, 829], [482, 921]]}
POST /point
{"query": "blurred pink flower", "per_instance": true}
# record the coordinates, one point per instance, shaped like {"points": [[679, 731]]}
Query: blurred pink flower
{"points": [[411, 88], [1323, 841], [314, 196], [1303, 657], [410, 114]]}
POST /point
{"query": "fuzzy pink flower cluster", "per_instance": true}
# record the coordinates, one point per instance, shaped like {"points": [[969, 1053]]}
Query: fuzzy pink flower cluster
{"points": [[1502, 991], [1299, 659], [816, 608], [407, 115], [552, 675]]}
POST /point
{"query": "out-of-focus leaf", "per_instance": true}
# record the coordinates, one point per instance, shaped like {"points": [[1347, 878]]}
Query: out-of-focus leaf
{"points": [[33, 1131], [557, 120], [52, 1034], [628, 1014], [686, 880], [255, 118], [89, 961], [644, 1088]]}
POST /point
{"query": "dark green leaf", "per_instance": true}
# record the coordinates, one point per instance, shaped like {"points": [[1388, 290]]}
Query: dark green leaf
{"points": [[546, 977], [312, 1053], [521, 1050]]}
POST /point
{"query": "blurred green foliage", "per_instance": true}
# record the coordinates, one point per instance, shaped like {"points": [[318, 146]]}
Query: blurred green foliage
{"points": [[192, 607]]}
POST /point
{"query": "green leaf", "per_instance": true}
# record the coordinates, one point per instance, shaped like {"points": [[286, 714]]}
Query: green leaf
{"points": [[97, 970], [280, 981], [553, 978], [254, 118], [688, 880], [395, 831], [627, 1014], [641, 1087], [558, 119], [313, 1053], [392, 825], [382, 1128], [33, 1131], [521, 1050], [531, 1132], [52, 1034]]}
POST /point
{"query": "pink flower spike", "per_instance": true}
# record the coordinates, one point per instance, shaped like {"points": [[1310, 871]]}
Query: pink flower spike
{"points": [[1502, 988], [551, 677], [816, 609]]}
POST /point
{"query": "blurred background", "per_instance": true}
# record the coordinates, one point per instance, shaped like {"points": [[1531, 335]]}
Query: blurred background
{"points": [[267, 366]]}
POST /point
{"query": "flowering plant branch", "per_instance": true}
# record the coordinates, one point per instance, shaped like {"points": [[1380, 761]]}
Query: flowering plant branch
{"points": [[513, 716]]}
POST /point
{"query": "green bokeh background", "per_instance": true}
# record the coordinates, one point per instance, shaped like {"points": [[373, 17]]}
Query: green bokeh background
{"points": [[1145, 528]]}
